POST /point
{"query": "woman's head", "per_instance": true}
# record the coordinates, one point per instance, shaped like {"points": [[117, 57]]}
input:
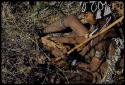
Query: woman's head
{"points": [[92, 16], [88, 14], [89, 17]]}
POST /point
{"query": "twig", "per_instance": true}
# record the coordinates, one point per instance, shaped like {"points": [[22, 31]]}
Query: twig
{"points": [[63, 74]]}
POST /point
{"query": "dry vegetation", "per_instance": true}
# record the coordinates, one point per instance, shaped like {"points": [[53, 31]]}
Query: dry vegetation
{"points": [[20, 52]]}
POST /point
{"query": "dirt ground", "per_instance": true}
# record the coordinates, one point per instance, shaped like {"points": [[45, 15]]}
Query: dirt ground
{"points": [[20, 52]]}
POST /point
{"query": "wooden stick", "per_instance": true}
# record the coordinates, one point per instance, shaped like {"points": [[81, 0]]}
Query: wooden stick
{"points": [[94, 36], [89, 39]]}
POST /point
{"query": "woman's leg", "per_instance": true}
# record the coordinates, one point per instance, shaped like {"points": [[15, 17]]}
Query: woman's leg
{"points": [[75, 24], [69, 21], [70, 39], [93, 66], [55, 27], [57, 49]]}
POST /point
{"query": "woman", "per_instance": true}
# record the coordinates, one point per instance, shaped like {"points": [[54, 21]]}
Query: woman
{"points": [[80, 33]]}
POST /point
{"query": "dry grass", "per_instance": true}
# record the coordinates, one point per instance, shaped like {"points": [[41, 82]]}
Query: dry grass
{"points": [[19, 49], [20, 52]]}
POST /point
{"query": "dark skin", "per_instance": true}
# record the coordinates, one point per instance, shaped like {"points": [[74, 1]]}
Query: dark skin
{"points": [[77, 27], [80, 34]]}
